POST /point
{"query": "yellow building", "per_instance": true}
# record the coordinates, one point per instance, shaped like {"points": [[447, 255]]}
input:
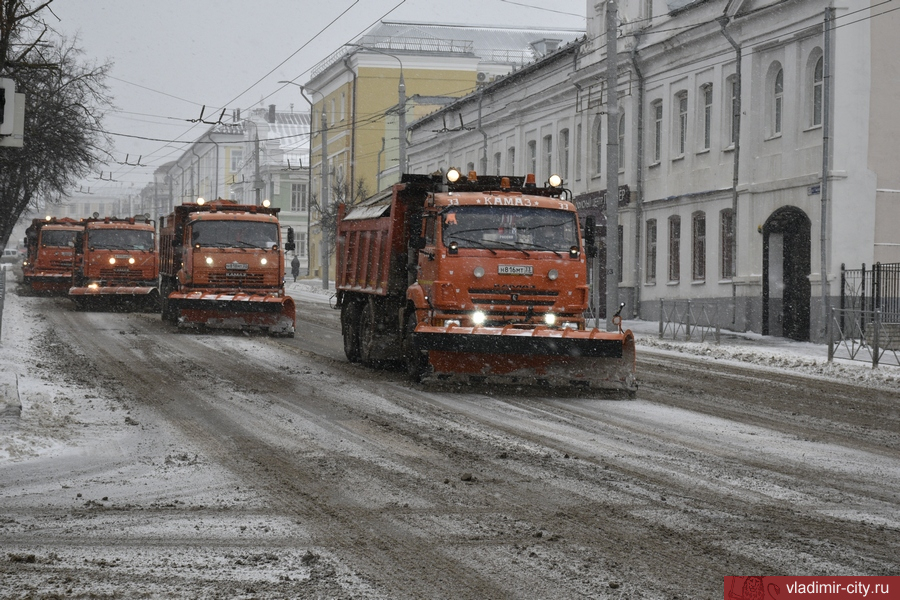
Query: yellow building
{"points": [[364, 94]]}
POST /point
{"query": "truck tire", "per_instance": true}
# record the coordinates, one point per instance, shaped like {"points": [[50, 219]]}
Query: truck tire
{"points": [[350, 330], [416, 361], [367, 336]]}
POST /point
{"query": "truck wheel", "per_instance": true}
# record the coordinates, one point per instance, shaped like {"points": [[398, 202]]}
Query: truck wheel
{"points": [[416, 361], [367, 336], [350, 330]]}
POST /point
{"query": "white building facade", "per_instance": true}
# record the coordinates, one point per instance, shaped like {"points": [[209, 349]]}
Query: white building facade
{"points": [[755, 150]]}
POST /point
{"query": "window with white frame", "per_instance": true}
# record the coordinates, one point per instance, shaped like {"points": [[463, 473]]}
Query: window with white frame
{"points": [[733, 115], [547, 154], [726, 239], [698, 246], [650, 269], [237, 157], [674, 248], [564, 154], [681, 105], [621, 140], [578, 152], [818, 89], [298, 197], [300, 240], [706, 92], [532, 157], [656, 109], [497, 165], [598, 144], [511, 160]]}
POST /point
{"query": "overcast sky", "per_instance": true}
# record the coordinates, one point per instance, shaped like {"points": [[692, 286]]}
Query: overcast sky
{"points": [[172, 57]]}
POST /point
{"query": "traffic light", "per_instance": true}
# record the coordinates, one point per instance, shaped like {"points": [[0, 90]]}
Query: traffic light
{"points": [[7, 106], [290, 246]]}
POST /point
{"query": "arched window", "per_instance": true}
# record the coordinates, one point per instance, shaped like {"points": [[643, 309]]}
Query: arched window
{"points": [[777, 101], [698, 246], [818, 90]]}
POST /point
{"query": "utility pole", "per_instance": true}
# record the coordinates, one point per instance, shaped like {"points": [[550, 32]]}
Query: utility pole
{"points": [[401, 142], [326, 246], [612, 167]]}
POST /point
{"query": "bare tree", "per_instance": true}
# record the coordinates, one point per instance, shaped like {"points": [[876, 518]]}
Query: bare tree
{"points": [[340, 193], [65, 99]]}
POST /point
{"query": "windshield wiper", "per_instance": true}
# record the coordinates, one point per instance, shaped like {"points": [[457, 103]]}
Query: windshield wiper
{"points": [[476, 242], [541, 247]]}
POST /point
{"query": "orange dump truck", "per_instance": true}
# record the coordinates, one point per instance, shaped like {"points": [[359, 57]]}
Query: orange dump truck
{"points": [[116, 264], [49, 254], [483, 279], [222, 266]]}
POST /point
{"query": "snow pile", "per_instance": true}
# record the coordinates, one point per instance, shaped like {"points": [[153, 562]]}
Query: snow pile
{"points": [[778, 354]]}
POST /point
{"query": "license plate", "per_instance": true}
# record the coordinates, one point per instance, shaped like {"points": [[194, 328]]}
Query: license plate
{"points": [[515, 270]]}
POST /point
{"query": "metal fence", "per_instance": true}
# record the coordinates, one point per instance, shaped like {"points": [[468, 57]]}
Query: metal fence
{"points": [[689, 320], [876, 288], [865, 335], [866, 327]]}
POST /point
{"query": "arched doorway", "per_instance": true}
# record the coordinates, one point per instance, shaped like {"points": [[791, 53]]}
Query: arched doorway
{"points": [[786, 269]]}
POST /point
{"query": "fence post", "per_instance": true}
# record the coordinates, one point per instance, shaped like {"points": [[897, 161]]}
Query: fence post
{"points": [[875, 339], [661, 315], [2, 296], [687, 327], [828, 333]]}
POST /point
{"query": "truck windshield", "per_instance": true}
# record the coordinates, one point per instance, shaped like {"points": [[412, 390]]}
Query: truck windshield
{"points": [[502, 227], [57, 237], [120, 239], [234, 234]]}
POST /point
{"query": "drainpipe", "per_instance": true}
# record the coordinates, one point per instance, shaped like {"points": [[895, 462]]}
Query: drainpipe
{"points": [[639, 178], [484, 148], [827, 87], [352, 129], [736, 124]]}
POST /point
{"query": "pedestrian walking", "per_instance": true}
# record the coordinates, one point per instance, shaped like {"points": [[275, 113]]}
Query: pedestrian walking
{"points": [[295, 267]]}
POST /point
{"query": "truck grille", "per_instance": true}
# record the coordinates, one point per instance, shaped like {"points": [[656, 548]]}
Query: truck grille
{"points": [[513, 297], [114, 275], [236, 278]]}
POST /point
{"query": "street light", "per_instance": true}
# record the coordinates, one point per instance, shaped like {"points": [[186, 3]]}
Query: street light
{"points": [[401, 94], [326, 250]]}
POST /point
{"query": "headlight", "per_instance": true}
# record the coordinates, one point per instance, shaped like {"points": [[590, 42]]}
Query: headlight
{"points": [[550, 319], [93, 285], [263, 261], [478, 317], [553, 275], [569, 325], [478, 272], [449, 322], [131, 261], [112, 260], [209, 260]]}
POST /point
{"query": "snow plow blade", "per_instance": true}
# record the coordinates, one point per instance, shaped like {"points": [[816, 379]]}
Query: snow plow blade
{"points": [[598, 359], [112, 291], [274, 314]]}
